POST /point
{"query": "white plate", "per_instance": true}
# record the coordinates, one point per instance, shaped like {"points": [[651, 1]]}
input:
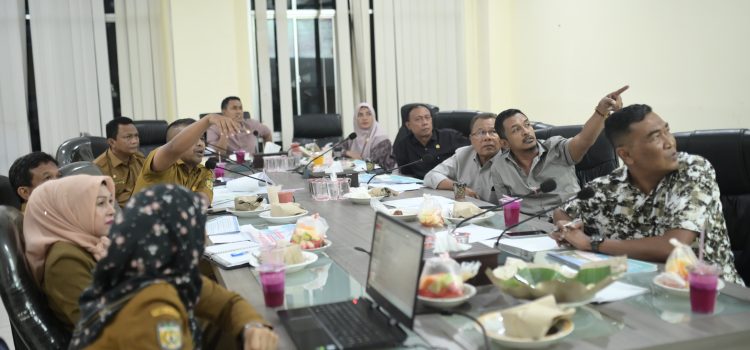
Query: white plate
{"points": [[493, 324], [408, 213], [318, 250], [309, 259], [281, 219], [359, 200], [475, 220], [681, 291], [249, 213], [447, 303]]}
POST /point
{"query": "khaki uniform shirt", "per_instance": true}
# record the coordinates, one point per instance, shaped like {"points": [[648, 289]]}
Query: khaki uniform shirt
{"points": [[464, 167], [68, 270], [197, 179], [123, 174], [552, 162], [687, 198]]}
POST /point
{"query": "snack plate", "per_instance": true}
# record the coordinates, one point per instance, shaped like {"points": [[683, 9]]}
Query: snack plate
{"points": [[308, 256], [409, 214], [249, 213], [321, 249], [493, 324], [479, 218], [680, 291], [447, 303], [281, 219], [359, 200]]}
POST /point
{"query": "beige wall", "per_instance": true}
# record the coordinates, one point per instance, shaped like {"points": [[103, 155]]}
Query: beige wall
{"points": [[211, 54], [688, 59]]}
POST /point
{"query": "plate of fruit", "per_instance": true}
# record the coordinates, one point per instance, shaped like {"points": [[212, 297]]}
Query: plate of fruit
{"points": [[309, 233], [444, 290]]}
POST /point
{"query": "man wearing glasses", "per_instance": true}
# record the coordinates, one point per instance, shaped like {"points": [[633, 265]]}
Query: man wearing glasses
{"points": [[528, 162], [471, 165]]}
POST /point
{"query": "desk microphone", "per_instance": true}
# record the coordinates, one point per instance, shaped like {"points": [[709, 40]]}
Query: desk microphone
{"points": [[306, 171], [426, 158], [211, 164], [584, 194], [258, 144], [546, 186]]}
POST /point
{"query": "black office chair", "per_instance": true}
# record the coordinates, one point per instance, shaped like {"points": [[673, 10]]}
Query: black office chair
{"points": [[79, 168], [457, 120], [728, 150], [600, 159], [403, 131], [33, 324], [540, 125], [318, 128], [84, 148], [7, 195], [151, 133]]}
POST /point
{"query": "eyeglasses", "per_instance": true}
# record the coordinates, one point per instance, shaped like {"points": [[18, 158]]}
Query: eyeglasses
{"points": [[484, 133]]}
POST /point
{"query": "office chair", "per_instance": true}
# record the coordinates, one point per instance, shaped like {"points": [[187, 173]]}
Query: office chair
{"points": [[83, 148], [318, 128], [78, 168], [7, 194], [151, 134], [459, 120], [33, 324], [403, 131]]}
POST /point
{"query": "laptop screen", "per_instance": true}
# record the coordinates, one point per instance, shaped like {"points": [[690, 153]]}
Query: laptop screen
{"points": [[393, 277]]}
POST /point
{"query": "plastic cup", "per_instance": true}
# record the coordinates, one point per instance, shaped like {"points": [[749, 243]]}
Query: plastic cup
{"points": [[511, 213], [272, 278], [703, 280], [273, 194], [240, 154], [219, 170], [459, 191], [320, 190], [286, 196]]}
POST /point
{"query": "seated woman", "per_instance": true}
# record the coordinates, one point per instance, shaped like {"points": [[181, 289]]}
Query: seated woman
{"points": [[371, 143], [66, 232]]}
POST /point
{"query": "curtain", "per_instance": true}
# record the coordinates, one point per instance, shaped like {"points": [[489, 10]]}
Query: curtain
{"points": [[14, 129], [71, 69]]}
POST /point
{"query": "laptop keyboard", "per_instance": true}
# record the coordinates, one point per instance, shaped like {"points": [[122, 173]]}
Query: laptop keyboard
{"points": [[350, 326]]}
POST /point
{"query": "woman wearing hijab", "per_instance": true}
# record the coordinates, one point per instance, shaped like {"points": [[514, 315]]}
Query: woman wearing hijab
{"points": [[65, 229], [145, 292], [371, 143]]}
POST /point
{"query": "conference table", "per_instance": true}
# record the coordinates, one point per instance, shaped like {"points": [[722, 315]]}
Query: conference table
{"points": [[652, 320]]}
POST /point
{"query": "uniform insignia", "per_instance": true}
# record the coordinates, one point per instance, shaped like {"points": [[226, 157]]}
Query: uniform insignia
{"points": [[437, 146], [209, 184], [169, 335]]}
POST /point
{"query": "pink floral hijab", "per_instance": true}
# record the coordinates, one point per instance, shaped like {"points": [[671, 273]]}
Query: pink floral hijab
{"points": [[63, 210], [367, 137]]}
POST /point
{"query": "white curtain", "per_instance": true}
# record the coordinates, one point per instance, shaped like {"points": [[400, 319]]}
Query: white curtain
{"points": [[419, 55], [145, 59], [71, 69], [14, 129]]}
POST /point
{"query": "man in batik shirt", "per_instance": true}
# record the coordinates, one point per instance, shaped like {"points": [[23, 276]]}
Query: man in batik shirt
{"points": [[657, 195]]}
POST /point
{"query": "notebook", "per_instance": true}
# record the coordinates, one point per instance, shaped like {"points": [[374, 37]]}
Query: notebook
{"points": [[373, 320], [231, 255], [576, 258], [222, 225]]}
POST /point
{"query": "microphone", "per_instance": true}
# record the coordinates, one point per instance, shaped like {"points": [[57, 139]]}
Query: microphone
{"points": [[211, 164], [226, 158], [584, 194], [259, 145], [306, 173], [426, 158], [546, 186]]}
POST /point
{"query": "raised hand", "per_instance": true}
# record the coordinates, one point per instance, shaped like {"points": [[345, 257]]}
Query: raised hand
{"points": [[612, 102]]}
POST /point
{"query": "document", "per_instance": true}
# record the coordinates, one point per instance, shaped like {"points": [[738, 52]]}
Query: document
{"points": [[223, 225], [618, 291], [232, 254]]}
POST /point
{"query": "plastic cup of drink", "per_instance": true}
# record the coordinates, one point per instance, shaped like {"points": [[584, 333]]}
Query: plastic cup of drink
{"points": [[703, 280], [240, 154], [511, 213], [286, 196], [219, 170], [318, 160], [272, 278]]}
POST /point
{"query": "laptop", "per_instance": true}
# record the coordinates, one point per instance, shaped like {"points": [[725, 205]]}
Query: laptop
{"points": [[372, 320]]}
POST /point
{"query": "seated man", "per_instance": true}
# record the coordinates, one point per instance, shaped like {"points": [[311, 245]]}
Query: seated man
{"points": [[657, 195], [122, 161], [471, 164], [528, 162], [30, 171], [422, 139], [179, 161], [245, 140]]}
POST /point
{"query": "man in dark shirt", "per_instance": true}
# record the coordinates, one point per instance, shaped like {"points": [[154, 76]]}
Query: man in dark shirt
{"points": [[422, 139]]}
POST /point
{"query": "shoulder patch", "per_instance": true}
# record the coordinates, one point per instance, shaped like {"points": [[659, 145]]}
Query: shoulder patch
{"points": [[165, 311], [169, 335]]}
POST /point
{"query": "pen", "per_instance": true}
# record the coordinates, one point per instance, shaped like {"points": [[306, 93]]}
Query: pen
{"points": [[570, 224], [237, 254]]}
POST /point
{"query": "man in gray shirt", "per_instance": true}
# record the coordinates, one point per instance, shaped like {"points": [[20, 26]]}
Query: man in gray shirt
{"points": [[471, 164], [528, 162]]}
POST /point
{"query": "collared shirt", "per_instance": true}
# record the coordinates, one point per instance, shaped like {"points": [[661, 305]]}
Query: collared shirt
{"points": [[441, 145], [464, 167], [123, 174], [197, 179], [687, 198], [244, 141], [552, 162]]}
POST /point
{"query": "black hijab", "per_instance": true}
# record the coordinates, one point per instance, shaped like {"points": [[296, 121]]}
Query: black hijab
{"points": [[158, 237]]}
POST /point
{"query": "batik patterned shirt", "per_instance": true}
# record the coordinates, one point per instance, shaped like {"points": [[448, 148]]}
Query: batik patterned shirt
{"points": [[687, 198]]}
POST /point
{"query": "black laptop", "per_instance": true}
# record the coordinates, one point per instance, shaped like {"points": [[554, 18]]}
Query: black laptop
{"points": [[392, 282]]}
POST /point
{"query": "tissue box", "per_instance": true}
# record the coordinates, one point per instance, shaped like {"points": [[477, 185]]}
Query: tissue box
{"points": [[486, 256]]}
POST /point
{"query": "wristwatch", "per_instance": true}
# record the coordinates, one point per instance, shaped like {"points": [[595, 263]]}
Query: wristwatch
{"points": [[595, 242]]}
